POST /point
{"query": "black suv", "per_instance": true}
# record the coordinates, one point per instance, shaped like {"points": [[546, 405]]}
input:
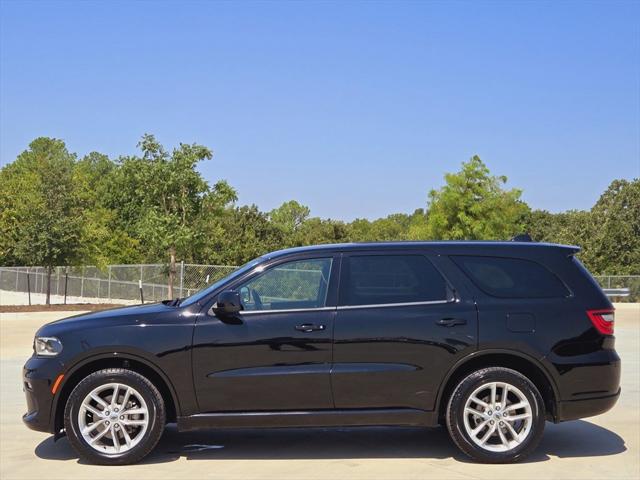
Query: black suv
{"points": [[490, 339]]}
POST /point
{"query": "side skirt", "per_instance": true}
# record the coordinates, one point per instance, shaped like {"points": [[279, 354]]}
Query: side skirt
{"points": [[310, 418]]}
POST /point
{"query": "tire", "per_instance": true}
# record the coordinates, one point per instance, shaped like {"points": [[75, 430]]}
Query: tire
{"points": [[511, 439], [136, 432]]}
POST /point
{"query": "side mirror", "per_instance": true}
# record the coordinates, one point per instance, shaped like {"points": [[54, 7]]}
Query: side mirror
{"points": [[228, 304]]}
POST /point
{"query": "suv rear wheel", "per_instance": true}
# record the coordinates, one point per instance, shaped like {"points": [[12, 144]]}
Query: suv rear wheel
{"points": [[114, 417], [496, 415]]}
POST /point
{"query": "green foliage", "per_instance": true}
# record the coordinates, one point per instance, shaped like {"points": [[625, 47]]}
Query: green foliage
{"points": [[41, 221], [103, 239], [56, 210], [316, 230], [472, 206], [162, 196], [393, 227], [289, 216], [569, 228], [239, 234], [615, 219], [609, 234]]}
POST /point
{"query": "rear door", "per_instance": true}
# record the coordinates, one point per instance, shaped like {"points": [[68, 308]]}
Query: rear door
{"points": [[399, 328]]}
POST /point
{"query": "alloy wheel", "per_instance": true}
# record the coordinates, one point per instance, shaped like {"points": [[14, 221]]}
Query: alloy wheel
{"points": [[113, 418], [497, 417]]}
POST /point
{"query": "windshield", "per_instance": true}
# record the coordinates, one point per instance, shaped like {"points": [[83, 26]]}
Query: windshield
{"points": [[207, 290]]}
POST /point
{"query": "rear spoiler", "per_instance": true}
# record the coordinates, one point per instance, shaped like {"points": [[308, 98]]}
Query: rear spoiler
{"points": [[525, 237]]}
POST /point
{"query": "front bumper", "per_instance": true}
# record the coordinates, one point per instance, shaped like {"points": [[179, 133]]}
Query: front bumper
{"points": [[575, 409], [38, 376]]}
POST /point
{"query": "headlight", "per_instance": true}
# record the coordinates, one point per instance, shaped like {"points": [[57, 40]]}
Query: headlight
{"points": [[47, 346]]}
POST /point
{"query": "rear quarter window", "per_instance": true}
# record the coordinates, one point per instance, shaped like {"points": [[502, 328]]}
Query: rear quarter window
{"points": [[511, 277]]}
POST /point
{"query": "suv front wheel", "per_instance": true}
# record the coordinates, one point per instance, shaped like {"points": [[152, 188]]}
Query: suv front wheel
{"points": [[496, 415], [114, 417]]}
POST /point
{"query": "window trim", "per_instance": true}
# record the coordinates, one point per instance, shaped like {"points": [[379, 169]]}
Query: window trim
{"points": [[288, 310], [400, 304], [450, 295]]}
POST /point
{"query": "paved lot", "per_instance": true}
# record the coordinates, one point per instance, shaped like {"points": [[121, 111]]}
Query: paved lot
{"points": [[604, 447]]}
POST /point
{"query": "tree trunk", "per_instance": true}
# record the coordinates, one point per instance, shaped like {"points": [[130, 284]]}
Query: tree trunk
{"points": [[48, 301], [172, 270]]}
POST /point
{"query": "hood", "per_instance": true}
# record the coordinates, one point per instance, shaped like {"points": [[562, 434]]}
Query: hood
{"points": [[117, 312], [121, 315]]}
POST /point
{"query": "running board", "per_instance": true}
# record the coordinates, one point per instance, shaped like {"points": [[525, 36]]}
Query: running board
{"points": [[310, 418]]}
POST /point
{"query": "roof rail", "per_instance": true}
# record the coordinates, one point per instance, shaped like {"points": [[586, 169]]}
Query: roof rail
{"points": [[523, 237]]}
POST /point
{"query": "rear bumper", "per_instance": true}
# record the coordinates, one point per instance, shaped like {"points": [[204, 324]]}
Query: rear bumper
{"points": [[588, 383], [575, 409]]}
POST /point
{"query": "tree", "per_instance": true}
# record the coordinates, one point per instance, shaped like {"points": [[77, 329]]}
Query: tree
{"points": [[572, 227], [239, 234], [160, 197], [104, 238], [289, 216], [316, 230], [609, 234], [614, 246], [472, 205], [390, 228], [41, 221], [211, 223], [360, 230], [56, 210]]}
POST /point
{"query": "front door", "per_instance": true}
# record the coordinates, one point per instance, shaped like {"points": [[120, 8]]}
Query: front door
{"points": [[398, 330], [276, 355]]}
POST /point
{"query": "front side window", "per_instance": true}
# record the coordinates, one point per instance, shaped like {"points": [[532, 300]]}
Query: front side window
{"points": [[388, 279], [292, 285], [511, 277]]}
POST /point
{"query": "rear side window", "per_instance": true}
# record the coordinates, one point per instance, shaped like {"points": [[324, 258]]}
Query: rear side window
{"points": [[385, 279], [511, 277]]}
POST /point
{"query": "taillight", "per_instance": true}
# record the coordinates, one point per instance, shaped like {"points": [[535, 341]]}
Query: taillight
{"points": [[603, 320]]}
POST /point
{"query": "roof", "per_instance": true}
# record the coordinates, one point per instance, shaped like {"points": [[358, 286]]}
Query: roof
{"points": [[452, 246]]}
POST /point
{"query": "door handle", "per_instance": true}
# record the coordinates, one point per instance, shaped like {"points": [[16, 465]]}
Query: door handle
{"points": [[450, 322], [309, 327]]}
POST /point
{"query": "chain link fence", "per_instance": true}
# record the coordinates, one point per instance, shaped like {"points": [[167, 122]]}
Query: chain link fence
{"points": [[123, 283], [631, 282], [112, 284]]}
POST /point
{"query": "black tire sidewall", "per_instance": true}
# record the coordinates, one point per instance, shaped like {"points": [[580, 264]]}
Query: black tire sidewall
{"points": [[455, 415], [125, 377]]}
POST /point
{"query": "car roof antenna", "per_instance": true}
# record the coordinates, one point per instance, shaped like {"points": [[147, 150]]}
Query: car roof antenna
{"points": [[523, 237]]}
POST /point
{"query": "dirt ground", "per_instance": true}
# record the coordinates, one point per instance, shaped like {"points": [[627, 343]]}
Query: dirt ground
{"points": [[603, 447]]}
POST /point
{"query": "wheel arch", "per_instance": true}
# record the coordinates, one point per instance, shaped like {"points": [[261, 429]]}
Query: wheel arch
{"points": [[525, 364], [114, 360]]}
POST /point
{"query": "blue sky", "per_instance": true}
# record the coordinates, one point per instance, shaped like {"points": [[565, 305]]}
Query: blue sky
{"points": [[355, 109]]}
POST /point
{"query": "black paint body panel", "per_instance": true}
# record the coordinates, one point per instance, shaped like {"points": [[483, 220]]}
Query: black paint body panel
{"points": [[368, 365], [401, 366], [263, 363]]}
